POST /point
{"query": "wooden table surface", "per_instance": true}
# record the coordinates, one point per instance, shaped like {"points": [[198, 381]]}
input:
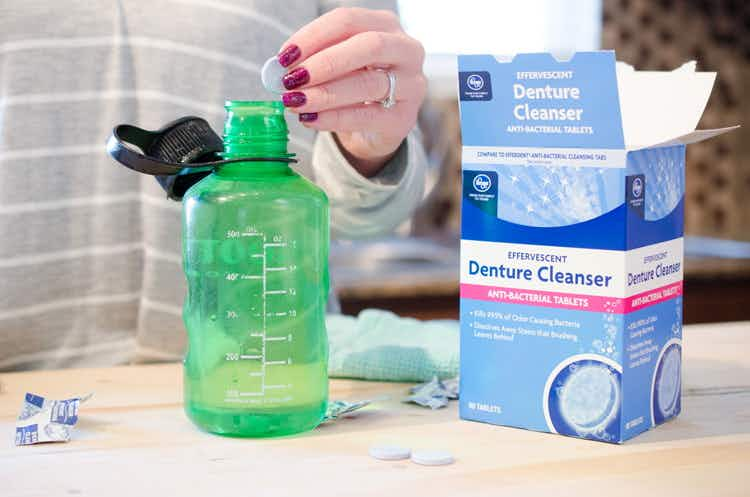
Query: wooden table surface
{"points": [[133, 440]]}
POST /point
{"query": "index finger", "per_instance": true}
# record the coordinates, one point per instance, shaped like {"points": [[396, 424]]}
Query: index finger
{"points": [[336, 26]]}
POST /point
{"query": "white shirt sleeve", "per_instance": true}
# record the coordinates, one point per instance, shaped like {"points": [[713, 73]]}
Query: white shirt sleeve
{"points": [[363, 207]]}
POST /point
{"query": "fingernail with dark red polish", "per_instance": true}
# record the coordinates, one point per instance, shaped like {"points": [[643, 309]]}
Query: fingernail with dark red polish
{"points": [[308, 117], [289, 55], [296, 78], [293, 99]]}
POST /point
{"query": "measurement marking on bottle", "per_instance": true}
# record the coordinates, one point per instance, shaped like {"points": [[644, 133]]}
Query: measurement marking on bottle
{"points": [[264, 330], [264, 314]]}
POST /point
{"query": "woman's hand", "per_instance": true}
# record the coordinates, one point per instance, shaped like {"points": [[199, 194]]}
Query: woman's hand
{"points": [[333, 85]]}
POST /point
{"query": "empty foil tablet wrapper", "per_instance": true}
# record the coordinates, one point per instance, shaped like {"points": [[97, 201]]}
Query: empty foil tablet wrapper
{"points": [[44, 420], [435, 393], [339, 408]]}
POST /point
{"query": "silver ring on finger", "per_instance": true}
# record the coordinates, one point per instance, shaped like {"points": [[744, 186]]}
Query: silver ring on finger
{"points": [[390, 99]]}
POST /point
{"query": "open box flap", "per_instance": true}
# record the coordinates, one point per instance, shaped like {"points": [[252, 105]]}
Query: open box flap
{"points": [[661, 107], [694, 137]]}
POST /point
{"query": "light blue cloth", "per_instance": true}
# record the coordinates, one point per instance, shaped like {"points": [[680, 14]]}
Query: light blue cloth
{"points": [[379, 345]]}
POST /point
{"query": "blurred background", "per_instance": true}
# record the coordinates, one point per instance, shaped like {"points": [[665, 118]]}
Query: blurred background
{"points": [[416, 274]]}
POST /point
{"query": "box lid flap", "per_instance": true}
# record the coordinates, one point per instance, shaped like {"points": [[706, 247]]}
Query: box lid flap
{"points": [[695, 136], [663, 107]]}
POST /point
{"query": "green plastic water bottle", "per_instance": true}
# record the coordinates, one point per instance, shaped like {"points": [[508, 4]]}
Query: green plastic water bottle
{"points": [[255, 252]]}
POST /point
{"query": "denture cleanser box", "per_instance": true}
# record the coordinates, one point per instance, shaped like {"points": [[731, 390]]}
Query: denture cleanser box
{"points": [[572, 241]]}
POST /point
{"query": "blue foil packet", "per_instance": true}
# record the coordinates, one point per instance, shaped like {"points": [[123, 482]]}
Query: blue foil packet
{"points": [[45, 420]]}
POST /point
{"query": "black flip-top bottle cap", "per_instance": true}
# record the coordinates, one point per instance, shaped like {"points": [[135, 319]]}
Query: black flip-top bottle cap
{"points": [[179, 154]]}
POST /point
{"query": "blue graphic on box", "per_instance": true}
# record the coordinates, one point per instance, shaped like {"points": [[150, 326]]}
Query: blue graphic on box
{"points": [[507, 336], [641, 232], [635, 194], [587, 374], [661, 214], [480, 189], [666, 395], [583, 396], [652, 366], [604, 232], [664, 176], [535, 98], [475, 85], [580, 207], [549, 196]]}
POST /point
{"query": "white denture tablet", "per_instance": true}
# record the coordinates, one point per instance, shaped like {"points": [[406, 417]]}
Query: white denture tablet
{"points": [[271, 75], [389, 452], [432, 457]]}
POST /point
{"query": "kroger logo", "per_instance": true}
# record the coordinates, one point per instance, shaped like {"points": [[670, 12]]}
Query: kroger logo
{"points": [[637, 187], [475, 82], [482, 183]]}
